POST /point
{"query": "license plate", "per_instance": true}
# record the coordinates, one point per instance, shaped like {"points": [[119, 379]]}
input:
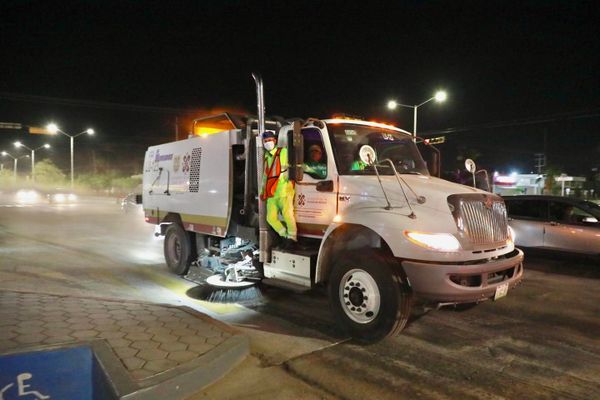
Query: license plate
{"points": [[501, 291]]}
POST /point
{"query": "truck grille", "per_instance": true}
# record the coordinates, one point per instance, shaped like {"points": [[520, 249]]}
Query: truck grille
{"points": [[480, 217]]}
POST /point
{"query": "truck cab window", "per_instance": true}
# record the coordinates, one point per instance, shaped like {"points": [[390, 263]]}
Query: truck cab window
{"points": [[398, 147], [315, 157]]}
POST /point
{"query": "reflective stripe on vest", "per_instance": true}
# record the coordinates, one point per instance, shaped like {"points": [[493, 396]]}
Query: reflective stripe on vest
{"points": [[272, 174]]}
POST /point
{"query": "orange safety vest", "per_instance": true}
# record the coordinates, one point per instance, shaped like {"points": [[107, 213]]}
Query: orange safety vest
{"points": [[272, 174]]}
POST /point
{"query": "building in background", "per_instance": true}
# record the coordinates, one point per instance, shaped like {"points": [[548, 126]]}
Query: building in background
{"points": [[532, 184]]}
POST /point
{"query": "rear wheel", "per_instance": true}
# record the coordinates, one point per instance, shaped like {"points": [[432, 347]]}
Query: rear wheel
{"points": [[178, 249], [368, 295]]}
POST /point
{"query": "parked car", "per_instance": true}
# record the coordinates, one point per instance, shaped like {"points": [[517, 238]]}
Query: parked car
{"points": [[555, 223]]}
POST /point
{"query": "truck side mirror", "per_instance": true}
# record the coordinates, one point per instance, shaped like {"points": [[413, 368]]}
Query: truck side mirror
{"points": [[138, 199], [472, 168], [470, 165], [296, 152], [367, 155]]}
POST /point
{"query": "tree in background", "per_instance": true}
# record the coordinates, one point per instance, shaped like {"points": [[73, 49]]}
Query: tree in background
{"points": [[96, 182], [551, 187], [126, 184], [47, 173], [110, 182], [6, 178]]}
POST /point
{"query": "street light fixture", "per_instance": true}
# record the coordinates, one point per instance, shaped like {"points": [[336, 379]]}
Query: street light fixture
{"points": [[54, 129], [45, 146], [440, 96]]}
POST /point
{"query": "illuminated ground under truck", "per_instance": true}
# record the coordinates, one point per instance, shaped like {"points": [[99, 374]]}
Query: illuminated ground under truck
{"points": [[376, 231]]}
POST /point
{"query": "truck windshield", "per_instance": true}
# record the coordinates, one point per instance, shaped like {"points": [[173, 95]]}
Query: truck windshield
{"points": [[347, 140]]}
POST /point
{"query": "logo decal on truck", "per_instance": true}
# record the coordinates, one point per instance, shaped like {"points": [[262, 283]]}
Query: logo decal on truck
{"points": [[186, 163], [488, 202], [301, 199], [160, 157]]}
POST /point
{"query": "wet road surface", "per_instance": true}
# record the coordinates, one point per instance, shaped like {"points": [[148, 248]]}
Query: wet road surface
{"points": [[541, 341]]}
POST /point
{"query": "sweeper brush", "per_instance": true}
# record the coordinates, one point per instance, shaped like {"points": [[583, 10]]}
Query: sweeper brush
{"points": [[220, 290], [236, 283]]}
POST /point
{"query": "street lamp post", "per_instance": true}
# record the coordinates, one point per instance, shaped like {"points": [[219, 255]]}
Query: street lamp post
{"points": [[15, 161], [54, 129], [439, 97], [45, 146]]}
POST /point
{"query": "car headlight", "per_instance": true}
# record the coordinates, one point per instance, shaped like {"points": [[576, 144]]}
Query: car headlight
{"points": [[434, 241], [27, 196], [72, 197]]}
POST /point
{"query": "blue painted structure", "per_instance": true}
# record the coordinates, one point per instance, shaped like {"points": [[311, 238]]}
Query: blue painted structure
{"points": [[67, 374]]}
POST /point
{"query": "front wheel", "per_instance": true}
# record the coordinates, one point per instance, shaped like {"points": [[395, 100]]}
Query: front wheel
{"points": [[178, 249], [369, 296]]}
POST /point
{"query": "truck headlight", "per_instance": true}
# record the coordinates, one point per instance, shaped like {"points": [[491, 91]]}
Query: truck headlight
{"points": [[511, 235], [434, 241]]}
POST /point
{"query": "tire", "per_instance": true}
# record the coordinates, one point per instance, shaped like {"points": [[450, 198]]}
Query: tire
{"points": [[377, 283], [178, 249]]}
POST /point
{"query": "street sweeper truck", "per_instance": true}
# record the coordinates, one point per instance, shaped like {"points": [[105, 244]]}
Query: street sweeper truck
{"points": [[374, 226]]}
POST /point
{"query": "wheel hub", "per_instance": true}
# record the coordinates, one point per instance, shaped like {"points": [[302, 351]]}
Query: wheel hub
{"points": [[174, 248], [356, 296], [359, 296]]}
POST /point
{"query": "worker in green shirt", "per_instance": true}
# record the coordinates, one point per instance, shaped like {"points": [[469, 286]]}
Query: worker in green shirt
{"points": [[358, 165], [315, 166]]}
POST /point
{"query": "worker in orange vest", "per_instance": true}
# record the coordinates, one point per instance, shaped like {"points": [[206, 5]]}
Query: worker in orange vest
{"points": [[277, 189]]}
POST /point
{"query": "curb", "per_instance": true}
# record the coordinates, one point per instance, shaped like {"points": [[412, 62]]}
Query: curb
{"points": [[201, 372]]}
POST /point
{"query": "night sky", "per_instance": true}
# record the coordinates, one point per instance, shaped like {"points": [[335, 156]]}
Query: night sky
{"points": [[505, 65]]}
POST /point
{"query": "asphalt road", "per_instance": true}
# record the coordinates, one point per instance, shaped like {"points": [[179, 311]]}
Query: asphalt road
{"points": [[541, 341]]}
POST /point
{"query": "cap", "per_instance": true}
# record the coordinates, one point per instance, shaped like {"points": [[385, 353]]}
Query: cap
{"points": [[268, 134]]}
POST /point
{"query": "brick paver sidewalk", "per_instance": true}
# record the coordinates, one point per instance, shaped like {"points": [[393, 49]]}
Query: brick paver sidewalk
{"points": [[147, 338]]}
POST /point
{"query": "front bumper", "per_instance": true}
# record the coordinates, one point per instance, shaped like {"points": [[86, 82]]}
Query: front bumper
{"points": [[464, 283]]}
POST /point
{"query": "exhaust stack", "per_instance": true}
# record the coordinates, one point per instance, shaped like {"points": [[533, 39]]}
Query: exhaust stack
{"points": [[263, 229]]}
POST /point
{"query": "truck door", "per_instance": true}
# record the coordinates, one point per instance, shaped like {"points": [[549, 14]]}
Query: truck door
{"points": [[316, 194]]}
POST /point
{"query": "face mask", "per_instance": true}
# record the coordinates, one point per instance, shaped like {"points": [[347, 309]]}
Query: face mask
{"points": [[269, 146]]}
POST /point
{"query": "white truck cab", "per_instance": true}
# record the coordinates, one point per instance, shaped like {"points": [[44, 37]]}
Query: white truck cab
{"points": [[374, 226]]}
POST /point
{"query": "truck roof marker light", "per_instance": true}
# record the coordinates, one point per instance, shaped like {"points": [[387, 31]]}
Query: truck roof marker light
{"points": [[205, 131], [383, 124], [444, 242], [364, 122]]}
